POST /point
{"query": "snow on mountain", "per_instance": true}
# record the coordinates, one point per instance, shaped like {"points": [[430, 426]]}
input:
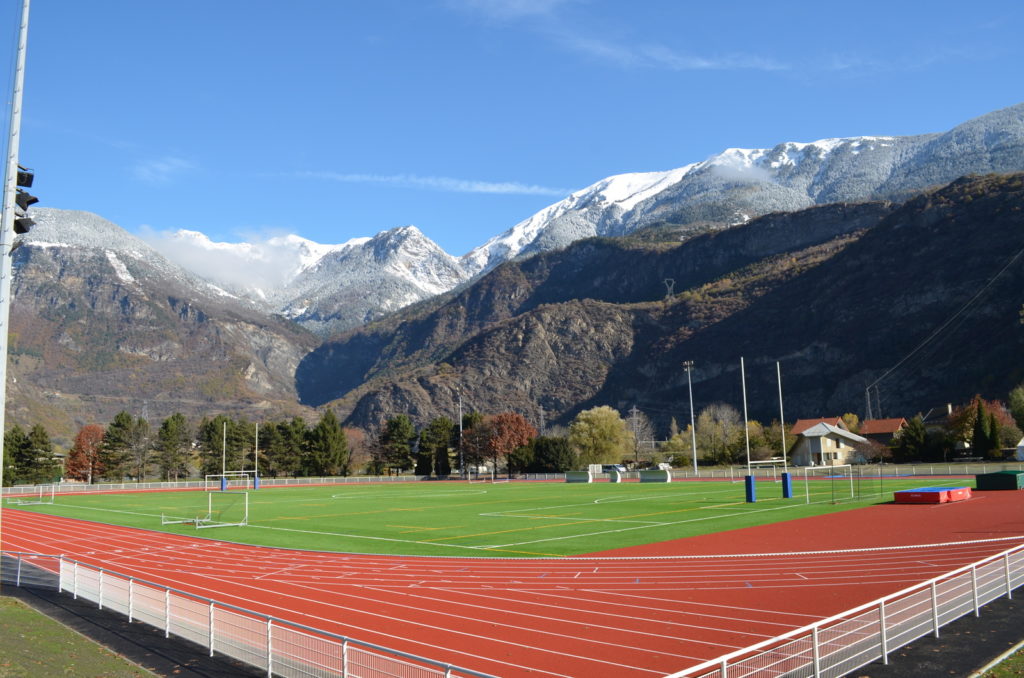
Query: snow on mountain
{"points": [[739, 184]]}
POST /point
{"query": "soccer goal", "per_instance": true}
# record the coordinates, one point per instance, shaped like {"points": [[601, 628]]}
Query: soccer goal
{"points": [[488, 476], [41, 494], [836, 482], [223, 509]]}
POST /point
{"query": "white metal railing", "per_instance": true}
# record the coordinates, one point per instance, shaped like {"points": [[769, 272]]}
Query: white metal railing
{"points": [[870, 632], [280, 647]]}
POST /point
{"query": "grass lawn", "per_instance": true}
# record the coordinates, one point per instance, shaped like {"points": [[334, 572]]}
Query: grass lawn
{"points": [[517, 519], [32, 645]]}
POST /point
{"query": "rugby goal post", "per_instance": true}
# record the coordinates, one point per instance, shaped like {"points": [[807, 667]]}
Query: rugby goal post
{"points": [[41, 494], [488, 476], [223, 509], [836, 480]]}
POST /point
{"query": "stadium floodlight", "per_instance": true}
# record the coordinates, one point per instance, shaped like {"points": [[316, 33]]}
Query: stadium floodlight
{"points": [[22, 201]]}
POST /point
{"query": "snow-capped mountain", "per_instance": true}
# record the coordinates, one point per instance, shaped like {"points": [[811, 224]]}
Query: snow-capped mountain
{"points": [[739, 184]]}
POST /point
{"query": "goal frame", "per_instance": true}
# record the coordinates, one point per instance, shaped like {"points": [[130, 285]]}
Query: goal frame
{"points": [[831, 469], [44, 494], [202, 522], [249, 478]]}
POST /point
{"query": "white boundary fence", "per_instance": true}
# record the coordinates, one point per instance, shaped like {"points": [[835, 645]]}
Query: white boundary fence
{"points": [[280, 647], [841, 644]]}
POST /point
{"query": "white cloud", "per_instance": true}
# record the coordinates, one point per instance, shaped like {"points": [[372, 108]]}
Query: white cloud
{"points": [[161, 170], [260, 263], [443, 183]]}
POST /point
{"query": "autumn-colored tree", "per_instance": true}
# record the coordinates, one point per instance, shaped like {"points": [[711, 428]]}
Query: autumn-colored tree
{"points": [[508, 431], [83, 462], [962, 424]]}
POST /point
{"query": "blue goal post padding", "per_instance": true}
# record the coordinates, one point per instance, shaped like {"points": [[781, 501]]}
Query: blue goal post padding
{"points": [[787, 486], [748, 481]]}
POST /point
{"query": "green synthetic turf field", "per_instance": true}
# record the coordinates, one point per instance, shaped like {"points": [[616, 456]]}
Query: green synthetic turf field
{"points": [[460, 519]]}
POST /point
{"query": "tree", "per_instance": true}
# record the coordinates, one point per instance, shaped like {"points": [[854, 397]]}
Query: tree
{"points": [[912, 442], [222, 444], [507, 432], [43, 467], [174, 442], [115, 454], [17, 455], [394, 448], [28, 457], [1016, 401], [852, 422], [552, 455], [600, 436], [83, 461], [327, 454], [436, 442], [287, 460], [719, 433]]}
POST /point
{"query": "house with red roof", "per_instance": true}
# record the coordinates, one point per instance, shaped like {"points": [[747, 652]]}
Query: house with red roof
{"points": [[882, 431], [802, 425]]}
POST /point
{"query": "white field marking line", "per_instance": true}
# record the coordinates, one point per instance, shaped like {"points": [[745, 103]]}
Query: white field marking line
{"points": [[369, 537], [641, 527], [515, 513], [650, 523], [562, 621], [617, 615], [409, 622], [277, 572], [389, 495]]}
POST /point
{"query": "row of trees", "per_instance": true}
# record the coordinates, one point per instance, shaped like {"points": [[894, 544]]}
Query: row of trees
{"points": [[128, 448]]}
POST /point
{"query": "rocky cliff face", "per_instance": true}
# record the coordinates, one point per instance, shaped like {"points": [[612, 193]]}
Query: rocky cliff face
{"points": [[100, 322], [839, 294]]}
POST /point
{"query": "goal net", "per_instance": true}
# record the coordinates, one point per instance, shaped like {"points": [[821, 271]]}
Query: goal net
{"points": [[828, 483], [223, 509], [41, 494]]}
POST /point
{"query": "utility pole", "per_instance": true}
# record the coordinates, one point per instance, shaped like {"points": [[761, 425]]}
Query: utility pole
{"points": [[688, 364], [543, 425]]}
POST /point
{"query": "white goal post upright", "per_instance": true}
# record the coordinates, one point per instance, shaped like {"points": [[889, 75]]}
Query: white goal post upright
{"points": [[830, 473]]}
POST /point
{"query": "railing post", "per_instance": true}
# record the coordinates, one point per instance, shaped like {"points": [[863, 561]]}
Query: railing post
{"points": [[211, 628], [724, 669], [817, 652], [131, 599], [344, 658], [17, 577], [74, 583], [101, 590], [884, 633], [1009, 582], [935, 610], [270, 648], [167, 613], [447, 671], [974, 589]]}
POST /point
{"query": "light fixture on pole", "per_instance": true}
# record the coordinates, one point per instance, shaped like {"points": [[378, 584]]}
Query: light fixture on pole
{"points": [[688, 364]]}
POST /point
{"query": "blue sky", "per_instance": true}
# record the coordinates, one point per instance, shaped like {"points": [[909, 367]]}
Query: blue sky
{"points": [[336, 119]]}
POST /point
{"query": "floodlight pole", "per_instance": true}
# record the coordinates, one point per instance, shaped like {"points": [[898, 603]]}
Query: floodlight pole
{"points": [[224, 450], [688, 364], [462, 461], [7, 220], [256, 451], [746, 426]]}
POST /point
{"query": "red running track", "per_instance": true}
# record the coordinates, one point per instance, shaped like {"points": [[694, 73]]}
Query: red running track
{"points": [[644, 611]]}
